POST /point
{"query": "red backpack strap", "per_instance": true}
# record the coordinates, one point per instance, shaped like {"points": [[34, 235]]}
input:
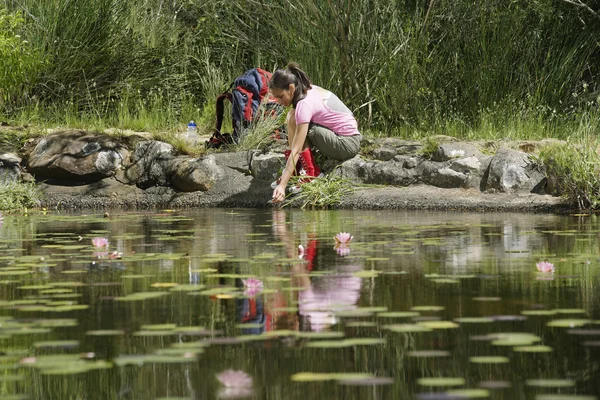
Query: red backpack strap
{"points": [[248, 107], [265, 77], [221, 110]]}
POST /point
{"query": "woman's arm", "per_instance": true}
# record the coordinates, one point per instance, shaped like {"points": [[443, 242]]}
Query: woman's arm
{"points": [[295, 150]]}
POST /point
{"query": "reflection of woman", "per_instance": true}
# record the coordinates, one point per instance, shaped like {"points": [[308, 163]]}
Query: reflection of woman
{"points": [[322, 296], [328, 295]]}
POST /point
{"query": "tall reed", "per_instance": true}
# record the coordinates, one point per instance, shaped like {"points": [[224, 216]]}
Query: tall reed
{"points": [[404, 67]]}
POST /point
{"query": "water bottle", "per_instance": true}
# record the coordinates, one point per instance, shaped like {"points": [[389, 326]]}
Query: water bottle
{"points": [[191, 128], [190, 134]]}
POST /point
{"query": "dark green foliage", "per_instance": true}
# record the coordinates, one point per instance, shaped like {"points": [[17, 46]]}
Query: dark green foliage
{"points": [[401, 65]]}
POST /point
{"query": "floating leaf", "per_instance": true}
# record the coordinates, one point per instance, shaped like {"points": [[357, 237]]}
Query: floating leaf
{"points": [[398, 314], [428, 308], [489, 360], [568, 323], [553, 383], [321, 377], [438, 324], [152, 359], [469, 393], [105, 332], [63, 344], [346, 343], [564, 397], [473, 320], [533, 349], [538, 312], [429, 353], [407, 328], [140, 296], [440, 381]]}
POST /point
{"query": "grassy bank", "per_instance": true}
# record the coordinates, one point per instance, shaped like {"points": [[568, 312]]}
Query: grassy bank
{"points": [[487, 69]]}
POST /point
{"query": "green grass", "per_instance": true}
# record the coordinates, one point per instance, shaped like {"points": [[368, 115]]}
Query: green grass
{"points": [[325, 192], [19, 196], [573, 171]]}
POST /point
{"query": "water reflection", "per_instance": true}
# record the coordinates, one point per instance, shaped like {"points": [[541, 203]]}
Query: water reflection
{"points": [[241, 310]]}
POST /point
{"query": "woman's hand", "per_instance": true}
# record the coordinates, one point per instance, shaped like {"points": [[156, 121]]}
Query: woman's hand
{"points": [[279, 194]]}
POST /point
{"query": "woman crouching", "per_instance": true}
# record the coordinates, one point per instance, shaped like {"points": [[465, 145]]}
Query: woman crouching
{"points": [[319, 119]]}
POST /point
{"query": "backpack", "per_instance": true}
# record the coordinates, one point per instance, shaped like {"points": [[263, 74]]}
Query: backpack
{"points": [[248, 92]]}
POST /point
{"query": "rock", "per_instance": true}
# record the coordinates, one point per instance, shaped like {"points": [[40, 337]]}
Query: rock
{"points": [[473, 168], [266, 166], [390, 173], [452, 150], [352, 170], [150, 164], [384, 153], [377, 172], [190, 175], [10, 167], [75, 156], [513, 171], [441, 174]]}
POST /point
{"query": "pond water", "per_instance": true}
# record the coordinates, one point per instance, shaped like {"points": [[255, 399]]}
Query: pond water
{"points": [[213, 303]]}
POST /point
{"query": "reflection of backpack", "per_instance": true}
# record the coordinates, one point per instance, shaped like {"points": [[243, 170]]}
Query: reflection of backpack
{"points": [[248, 92]]}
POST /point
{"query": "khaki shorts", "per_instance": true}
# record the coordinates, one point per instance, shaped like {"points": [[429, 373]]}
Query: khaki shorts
{"points": [[333, 146]]}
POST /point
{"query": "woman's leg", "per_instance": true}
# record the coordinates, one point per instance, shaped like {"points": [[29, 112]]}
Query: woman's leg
{"points": [[333, 146]]}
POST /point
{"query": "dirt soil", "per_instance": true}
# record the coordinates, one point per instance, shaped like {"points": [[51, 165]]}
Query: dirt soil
{"points": [[111, 194]]}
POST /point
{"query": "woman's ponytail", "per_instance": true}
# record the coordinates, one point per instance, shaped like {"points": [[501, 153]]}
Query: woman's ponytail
{"points": [[292, 74]]}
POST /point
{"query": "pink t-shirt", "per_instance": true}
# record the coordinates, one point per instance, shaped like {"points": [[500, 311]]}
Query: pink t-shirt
{"points": [[324, 108]]}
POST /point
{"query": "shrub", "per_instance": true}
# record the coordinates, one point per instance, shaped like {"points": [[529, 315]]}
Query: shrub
{"points": [[573, 171], [18, 196]]}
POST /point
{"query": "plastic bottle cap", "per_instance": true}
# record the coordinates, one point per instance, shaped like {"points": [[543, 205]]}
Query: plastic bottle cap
{"points": [[192, 124]]}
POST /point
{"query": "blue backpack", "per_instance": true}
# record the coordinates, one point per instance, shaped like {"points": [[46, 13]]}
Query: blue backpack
{"points": [[245, 94]]}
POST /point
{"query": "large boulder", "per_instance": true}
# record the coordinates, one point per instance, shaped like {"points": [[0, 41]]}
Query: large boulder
{"points": [[267, 166], [387, 149], [150, 164], [10, 167], [513, 171], [453, 150], [400, 171], [190, 175], [75, 156]]}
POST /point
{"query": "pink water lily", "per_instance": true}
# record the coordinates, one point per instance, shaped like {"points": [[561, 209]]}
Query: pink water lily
{"points": [[252, 286], [342, 249], [234, 378], [235, 384], [343, 237], [545, 266], [100, 242]]}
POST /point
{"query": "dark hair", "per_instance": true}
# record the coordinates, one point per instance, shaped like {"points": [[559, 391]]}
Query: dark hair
{"points": [[283, 78]]}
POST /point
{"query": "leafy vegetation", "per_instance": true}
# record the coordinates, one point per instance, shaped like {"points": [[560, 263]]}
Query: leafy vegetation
{"points": [[574, 171], [528, 69], [324, 192], [19, 196]]}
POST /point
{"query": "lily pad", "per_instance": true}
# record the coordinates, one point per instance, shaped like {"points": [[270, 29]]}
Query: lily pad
{"points": [[550, 383], [321, 377], [438, 324], [489, 360], [533, 349], [568, 323], [441, 381], [407, 328], [331, 344], [428, 308], [469, 393], [398, 314]]}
